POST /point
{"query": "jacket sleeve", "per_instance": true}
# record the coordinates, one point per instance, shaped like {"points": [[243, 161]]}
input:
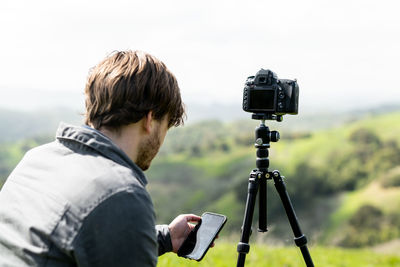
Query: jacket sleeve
{"points": [[163, 239], [118, 232]]}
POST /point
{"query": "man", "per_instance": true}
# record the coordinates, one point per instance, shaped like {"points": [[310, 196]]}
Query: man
{"points": [[81, 200]]}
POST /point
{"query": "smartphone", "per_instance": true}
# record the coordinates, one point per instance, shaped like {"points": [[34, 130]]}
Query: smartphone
{"points": [[202, 236]]}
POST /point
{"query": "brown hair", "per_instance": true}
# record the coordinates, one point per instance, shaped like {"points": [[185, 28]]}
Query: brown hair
{"points": [[125, 86]]}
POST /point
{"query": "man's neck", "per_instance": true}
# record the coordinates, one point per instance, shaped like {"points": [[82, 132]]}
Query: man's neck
{"points": [[127, 138]]}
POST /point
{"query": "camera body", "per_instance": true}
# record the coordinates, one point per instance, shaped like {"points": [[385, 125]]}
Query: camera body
{"points": [[266, 94]]}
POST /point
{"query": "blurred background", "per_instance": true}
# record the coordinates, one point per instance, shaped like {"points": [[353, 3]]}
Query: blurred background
{"points": [[341, 154]]}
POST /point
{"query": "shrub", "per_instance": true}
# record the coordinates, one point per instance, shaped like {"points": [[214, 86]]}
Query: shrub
{"points": [[392, 178]]}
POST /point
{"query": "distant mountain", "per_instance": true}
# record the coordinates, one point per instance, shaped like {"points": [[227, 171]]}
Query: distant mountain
{"points": [[17, 125]]}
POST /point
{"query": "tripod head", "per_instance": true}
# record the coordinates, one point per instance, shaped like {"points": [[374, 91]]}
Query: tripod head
{"points": [[264, 136]]}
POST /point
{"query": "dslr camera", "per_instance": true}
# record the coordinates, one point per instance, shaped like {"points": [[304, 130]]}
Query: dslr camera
{"points": [[268, 95]]}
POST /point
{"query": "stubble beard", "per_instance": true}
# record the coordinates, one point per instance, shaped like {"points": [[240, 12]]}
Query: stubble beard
{"points": [[147, 150]]}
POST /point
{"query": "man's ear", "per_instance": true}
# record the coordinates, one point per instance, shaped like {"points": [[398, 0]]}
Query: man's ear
{"points": [[148, 122]]}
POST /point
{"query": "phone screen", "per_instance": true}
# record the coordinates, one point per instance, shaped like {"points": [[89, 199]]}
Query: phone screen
{"points": [[198, 242]]}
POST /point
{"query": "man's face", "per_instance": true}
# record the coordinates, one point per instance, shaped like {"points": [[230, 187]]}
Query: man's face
{"points": [[148, 149]]}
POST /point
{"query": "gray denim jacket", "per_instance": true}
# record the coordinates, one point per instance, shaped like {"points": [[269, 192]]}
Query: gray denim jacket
{"points": [[78, 201]]}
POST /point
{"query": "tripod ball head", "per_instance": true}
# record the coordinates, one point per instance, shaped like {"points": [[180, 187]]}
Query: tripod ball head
{"points": [[264, 136]]}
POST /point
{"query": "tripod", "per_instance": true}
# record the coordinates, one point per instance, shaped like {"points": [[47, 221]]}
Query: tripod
{"points": [[257, 183]]}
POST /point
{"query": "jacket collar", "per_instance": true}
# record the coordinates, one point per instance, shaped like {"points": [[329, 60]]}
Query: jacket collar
{"points": [[94, 139]]}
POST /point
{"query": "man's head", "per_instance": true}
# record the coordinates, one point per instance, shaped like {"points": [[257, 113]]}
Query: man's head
{"points": [[126, 86], [134, 99]]}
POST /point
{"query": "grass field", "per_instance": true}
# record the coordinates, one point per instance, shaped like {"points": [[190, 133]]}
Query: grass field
{"points": [[224, 255]]}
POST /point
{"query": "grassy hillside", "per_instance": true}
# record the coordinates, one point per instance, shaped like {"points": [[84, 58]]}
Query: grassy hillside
{"points": [[344, 181], [330, 176]]}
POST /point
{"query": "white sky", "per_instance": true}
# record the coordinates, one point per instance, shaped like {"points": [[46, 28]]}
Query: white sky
{"points": [[342, 52]]}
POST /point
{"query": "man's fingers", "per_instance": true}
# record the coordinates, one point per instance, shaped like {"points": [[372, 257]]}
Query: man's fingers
{"points": [[213, 243]]}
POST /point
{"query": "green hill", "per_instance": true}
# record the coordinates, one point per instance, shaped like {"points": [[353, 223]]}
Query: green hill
{"points": [[341, 180], [344, 180]]}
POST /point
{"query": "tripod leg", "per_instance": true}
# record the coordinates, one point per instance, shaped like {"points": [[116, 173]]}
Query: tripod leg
{"points": [[243, 246], [300, 239], [262, 204]]}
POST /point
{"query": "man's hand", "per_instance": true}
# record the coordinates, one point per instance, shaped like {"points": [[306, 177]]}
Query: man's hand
{"points": [[180, 228]]}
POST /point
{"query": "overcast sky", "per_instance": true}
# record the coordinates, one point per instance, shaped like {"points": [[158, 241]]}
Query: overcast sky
{"points": [[342, 52]]}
